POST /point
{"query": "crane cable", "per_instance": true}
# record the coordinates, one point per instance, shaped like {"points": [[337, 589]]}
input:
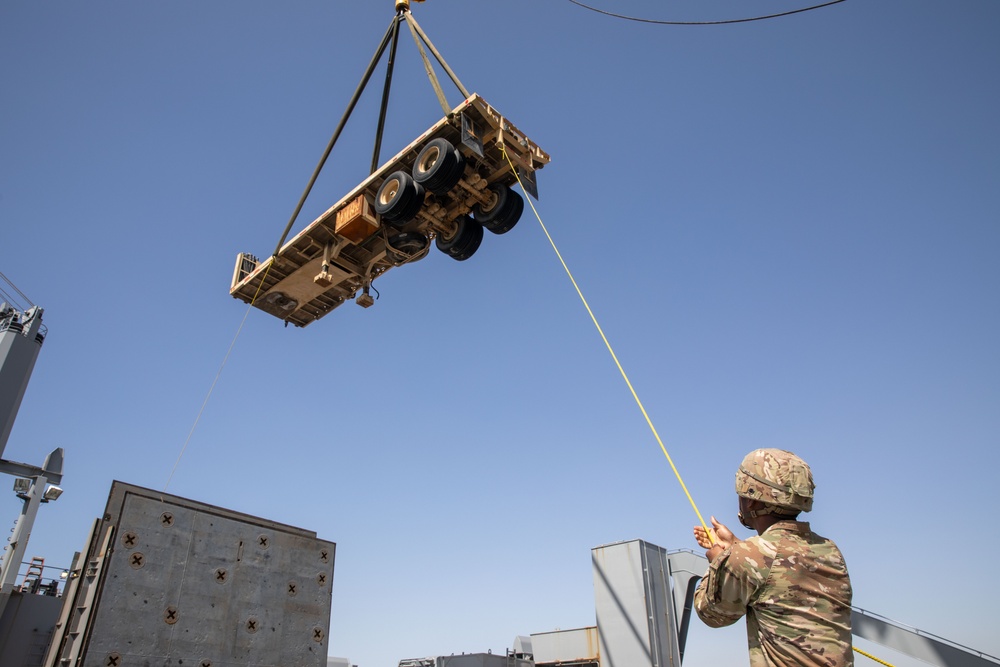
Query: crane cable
{"points": [[621, 370], [725, 22], [611, 350]]}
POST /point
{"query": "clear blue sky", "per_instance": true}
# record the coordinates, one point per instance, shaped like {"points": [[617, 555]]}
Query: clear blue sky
{"points": [[789, 230]]}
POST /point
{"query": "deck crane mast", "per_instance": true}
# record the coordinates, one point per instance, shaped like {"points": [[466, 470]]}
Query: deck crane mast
{"points": [[21, 336]]}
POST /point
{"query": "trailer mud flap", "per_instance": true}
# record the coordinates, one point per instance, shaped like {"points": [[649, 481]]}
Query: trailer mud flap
{"points": [[528, 181], [471, 136]]}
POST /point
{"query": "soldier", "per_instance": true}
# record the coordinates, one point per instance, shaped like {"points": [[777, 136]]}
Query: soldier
{"points": [[791, 584]]}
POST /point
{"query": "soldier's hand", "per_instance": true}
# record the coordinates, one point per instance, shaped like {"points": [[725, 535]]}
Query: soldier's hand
{"points": [[701, 537], [723, 536], [715, 540]]}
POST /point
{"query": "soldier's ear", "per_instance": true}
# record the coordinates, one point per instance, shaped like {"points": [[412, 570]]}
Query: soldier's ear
{"points": [[754, 505]]}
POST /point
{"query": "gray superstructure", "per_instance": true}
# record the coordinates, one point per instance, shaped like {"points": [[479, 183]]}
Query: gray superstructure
{"points": [[21, 336]]}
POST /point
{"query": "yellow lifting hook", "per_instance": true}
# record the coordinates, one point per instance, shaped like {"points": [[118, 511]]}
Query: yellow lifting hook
{"points": [[404, 5]]}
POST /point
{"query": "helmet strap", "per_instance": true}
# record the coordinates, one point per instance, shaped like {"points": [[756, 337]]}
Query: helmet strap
{"points": [[770, 509]]}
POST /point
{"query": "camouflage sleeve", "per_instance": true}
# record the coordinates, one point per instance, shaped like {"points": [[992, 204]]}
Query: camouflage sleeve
{"points": [[728, 587]]}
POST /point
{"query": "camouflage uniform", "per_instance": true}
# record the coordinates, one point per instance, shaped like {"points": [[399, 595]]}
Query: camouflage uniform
{"points": [[793, 587]]}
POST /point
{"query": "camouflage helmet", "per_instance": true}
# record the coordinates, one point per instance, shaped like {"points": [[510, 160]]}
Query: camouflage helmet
{"points": [[777, 478]]}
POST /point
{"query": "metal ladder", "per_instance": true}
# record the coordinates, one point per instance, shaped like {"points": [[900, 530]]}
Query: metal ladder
{"points": [[35, 569]]}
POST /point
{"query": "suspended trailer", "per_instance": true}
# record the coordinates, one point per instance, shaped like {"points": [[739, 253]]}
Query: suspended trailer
{"points": [[447, 186]]}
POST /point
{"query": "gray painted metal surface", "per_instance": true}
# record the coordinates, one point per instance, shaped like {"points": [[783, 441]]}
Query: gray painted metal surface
{"points": [[17, 543], [467, 660], [686, 570], [21, 336], [579, 646], [522, 646], [26, 626], [13, 553], [634, 606], [179, 582], [70, 589], [916, 643]]}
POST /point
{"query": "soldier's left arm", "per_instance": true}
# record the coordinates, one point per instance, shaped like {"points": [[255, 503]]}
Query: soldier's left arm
{"points": [[731, 582]]}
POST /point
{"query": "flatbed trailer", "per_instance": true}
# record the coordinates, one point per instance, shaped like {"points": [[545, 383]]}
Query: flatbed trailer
{"points": [[446, 186]]}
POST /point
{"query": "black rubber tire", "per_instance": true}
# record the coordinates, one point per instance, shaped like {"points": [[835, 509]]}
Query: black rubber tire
{"points": [[406, 246], [465, 242], [438, 166], [399, 198], [459, 171], [486, 213], [508, 217]]}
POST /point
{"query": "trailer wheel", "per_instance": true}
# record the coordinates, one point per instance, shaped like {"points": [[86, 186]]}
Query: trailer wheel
{"points": [[399, 198], [502, 212], [465, 242], [439, 166], [505, 222], [485, 213], [459, 169], [407, 246]]}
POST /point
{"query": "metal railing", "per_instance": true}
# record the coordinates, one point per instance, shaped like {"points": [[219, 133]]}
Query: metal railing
{"points": [[15, 305], [885, 621], [5, 281]]}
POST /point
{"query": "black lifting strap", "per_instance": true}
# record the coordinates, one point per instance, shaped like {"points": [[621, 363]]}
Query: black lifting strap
{"points": [[385, 93], [416, 30], [419, 38], [391, 37], [393, 29]]}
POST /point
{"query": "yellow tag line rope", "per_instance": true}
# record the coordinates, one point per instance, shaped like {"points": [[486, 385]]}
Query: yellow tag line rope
{"points": [[871, 657], [610, 349], [624, 374], [223, 365]]}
